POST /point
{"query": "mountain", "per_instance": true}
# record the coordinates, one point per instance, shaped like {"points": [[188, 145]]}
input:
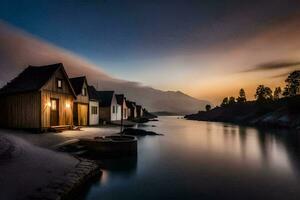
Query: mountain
{"points": [[19, 49]]}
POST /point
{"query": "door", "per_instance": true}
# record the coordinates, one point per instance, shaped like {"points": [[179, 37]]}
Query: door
{"points": [[82, 114], [54, 116]]}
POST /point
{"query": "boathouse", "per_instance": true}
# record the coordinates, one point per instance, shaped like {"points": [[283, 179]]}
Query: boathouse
{"points": [[132, 109], [107, 106], [81, 104], [93, 106], [39, 98], [139, 111], [121, 100], [128, 105]]}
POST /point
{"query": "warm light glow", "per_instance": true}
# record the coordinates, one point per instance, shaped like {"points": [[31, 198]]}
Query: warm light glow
{"points": [[68, 105], [48, 104]]}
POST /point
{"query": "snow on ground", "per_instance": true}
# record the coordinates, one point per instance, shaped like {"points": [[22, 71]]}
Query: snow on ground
{"points": [[29, 167], [26, 166], [50, 140]]}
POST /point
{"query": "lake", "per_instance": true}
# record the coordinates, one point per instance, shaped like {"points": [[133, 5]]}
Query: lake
{"points": [[204, 160]]}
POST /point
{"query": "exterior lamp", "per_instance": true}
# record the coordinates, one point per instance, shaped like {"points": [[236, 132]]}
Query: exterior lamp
{"points": [[68, 105]]}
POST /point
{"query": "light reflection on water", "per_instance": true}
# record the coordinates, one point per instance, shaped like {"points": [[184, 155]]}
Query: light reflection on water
{"points": [[205, 160]]}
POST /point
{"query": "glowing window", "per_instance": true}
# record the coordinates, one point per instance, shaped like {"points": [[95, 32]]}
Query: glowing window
{"points": [[59, 83]]}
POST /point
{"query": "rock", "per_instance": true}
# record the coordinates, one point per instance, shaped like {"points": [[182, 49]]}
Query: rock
{"points": [[138, 132]]}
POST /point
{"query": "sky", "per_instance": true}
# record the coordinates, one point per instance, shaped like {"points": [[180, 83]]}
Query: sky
{"points": [[207, 49]]}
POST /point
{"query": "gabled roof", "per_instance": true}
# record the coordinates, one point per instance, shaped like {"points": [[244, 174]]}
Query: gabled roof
{"points": [[93, 94], [120, 98], [105, 97], [77, 83], [130, 104], [33, 78], [138, 107]]}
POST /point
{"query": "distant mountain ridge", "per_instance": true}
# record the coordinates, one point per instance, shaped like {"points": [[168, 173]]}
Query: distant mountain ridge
{"points": [[19, 49]]}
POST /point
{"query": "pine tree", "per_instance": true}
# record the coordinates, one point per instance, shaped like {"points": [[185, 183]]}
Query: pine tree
{"points": [[242, 97], [292, 84], [277, 93]]}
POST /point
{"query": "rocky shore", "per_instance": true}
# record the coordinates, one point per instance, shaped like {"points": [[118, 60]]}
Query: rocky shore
{"points": [[282, 113], [69, 185]]}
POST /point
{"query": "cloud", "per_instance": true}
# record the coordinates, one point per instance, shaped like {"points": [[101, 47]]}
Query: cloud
{"points": [[19, 49], [276, 65]]}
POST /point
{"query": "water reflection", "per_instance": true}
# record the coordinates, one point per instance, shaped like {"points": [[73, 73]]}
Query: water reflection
{"points": [[125, 166], [205, 160]]}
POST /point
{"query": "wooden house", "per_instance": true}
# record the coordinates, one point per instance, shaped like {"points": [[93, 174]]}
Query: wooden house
{"points": [[139, 111], [121, 100], [81, 104], [39, 98], [131, 109], [93, 106], [108, 106]]}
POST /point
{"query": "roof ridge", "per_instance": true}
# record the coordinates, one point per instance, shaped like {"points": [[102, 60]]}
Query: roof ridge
{"points": [[32, 78], [78, 77], [50, 65]]}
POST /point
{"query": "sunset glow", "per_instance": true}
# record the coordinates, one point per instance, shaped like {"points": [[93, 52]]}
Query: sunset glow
{"points": [[208, 54]]}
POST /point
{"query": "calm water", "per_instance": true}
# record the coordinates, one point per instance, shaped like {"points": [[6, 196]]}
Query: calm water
{"points": [[204, 160]]}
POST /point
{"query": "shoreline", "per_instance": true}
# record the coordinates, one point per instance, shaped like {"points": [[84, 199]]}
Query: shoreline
{"points": [[263, 126], [67, 187], [281, 113], [56, 175]]}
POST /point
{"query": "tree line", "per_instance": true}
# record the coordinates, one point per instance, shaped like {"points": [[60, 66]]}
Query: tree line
{"points": [[265, 94]]}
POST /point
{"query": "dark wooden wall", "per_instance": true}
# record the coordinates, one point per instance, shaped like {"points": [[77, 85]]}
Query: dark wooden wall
{"points": [[105, 113], [21, 110]]}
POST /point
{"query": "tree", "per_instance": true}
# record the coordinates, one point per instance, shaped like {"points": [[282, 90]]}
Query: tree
{"points": [[263, 93], [225, 102], [208, 107], [277, 93], [242, 97], [292, 84], [231, 100]]}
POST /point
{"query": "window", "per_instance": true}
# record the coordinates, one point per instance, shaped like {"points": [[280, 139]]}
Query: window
{"points": [[94, 110], [59, 83], [114, 109], [125, 113], [83, 92]]}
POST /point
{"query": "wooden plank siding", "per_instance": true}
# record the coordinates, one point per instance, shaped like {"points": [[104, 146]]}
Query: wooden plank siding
{"points": [[83, 99], [81, 105], [26, 104], [65, 113], [80, 114], [21, 110], [63, 95], [51, 85], [105, 113]]}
